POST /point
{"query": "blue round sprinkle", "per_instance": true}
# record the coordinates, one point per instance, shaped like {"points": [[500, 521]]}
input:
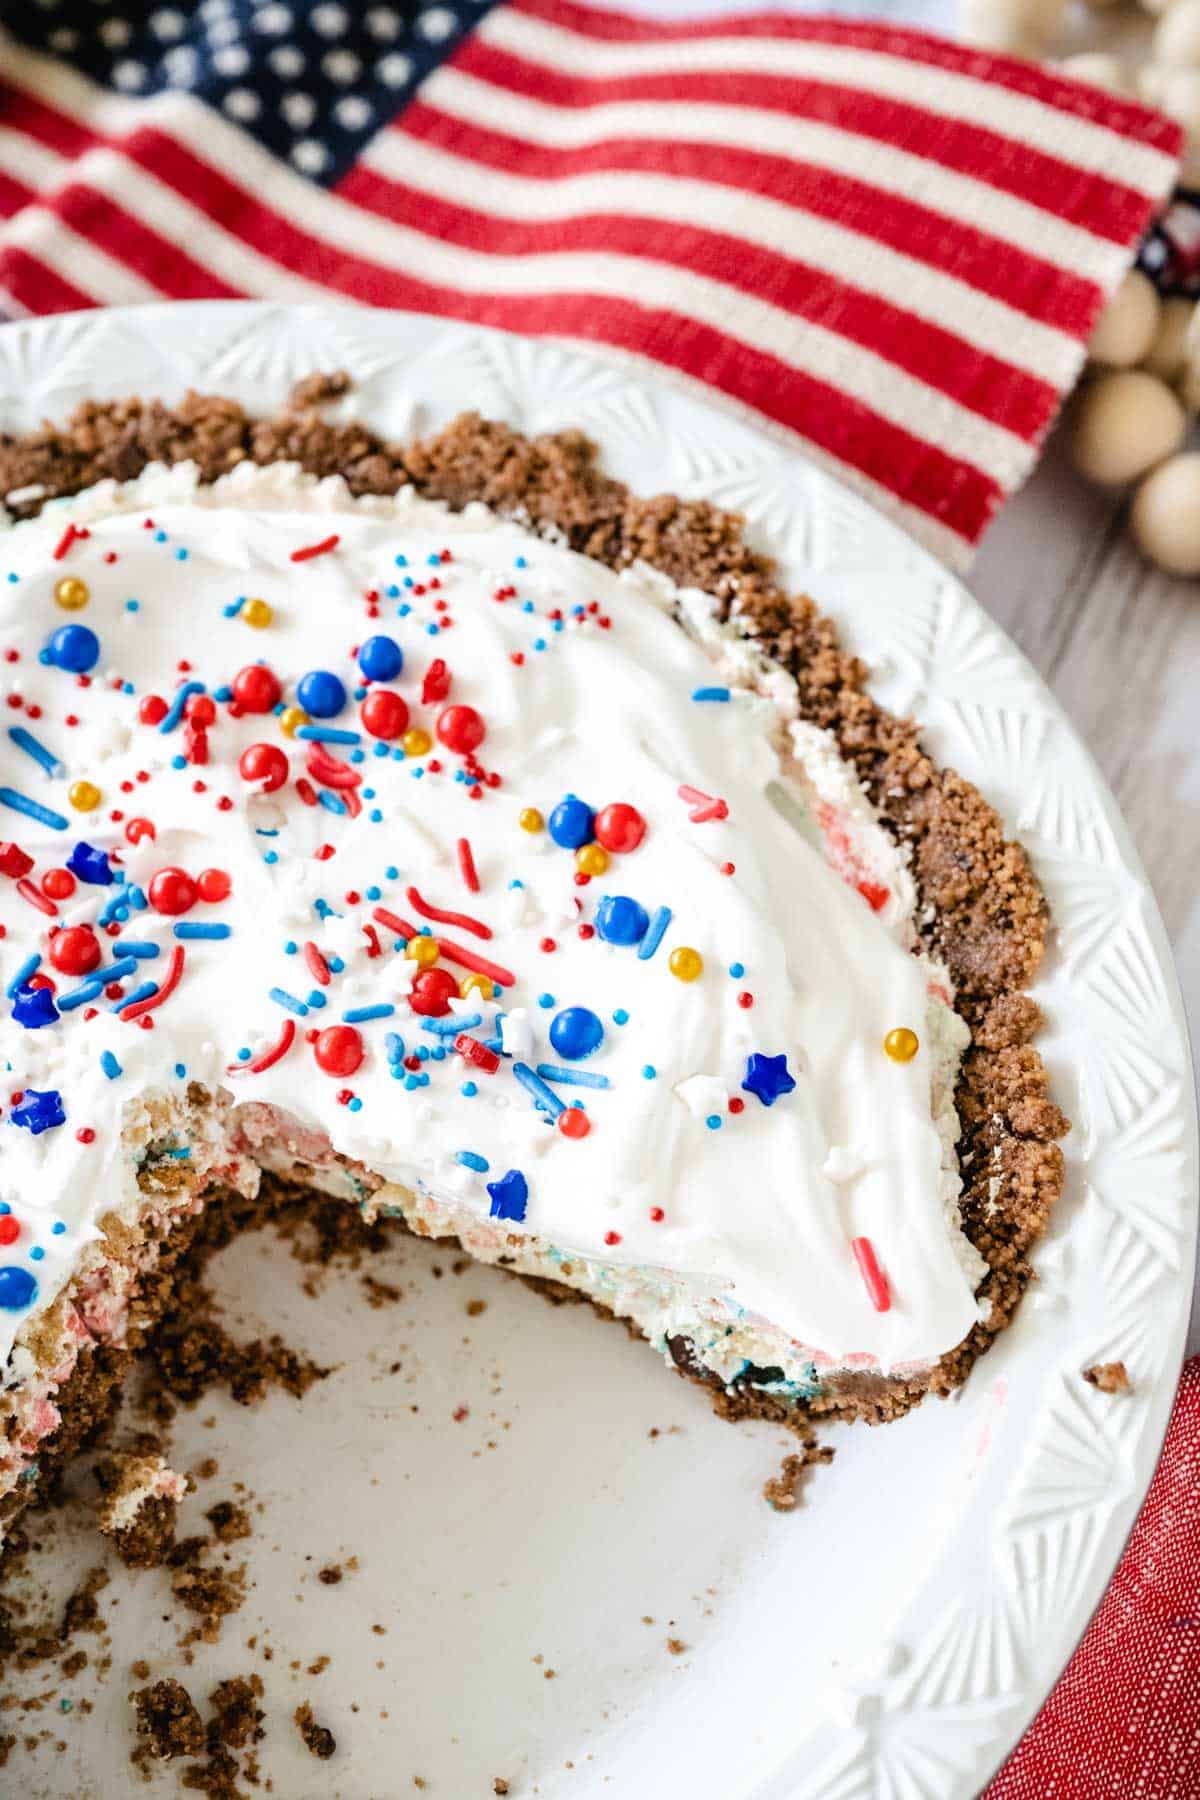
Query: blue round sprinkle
{"points": [[290, 948], [620, 1017], [713, 1121], [321, 694], [468, 1090], [380, 658], [570, 824], [58, 1228], [132, 605], [75, 648], [649, 1071], [37, 1253], [576, 1032], [180, 1071], [354, 1105], [18, 1289], [545, 1001], [737, 970], [243, 1054], [620, 920]]}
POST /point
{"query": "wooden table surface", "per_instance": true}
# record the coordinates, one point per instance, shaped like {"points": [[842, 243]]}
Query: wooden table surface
{"points": [[1119, 644]]}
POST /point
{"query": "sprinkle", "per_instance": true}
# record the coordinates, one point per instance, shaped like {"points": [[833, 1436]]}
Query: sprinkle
{"points": [[455, 953], [440, 917], [393, 1047], [327, 734], [572, 1077], [480, 1056], [308, 551], [767, 1077], [118, 970], [713, 1121], [660, 918], [873, 1276], [45, 759], [466, 865], [710, 693], [901, 1044], [360, 1015], [543, 1097], [470, 1159], [39, 1109], [450, 1027], [649, 1071], [281, 997], [317, 966], [28, 892], [81, 996], [702, 807], [620, 1017], [136, 1009], [41, 815], [174, 712], [330, 802], [144, 992], [130, 947], [269, 1057], [28, 967], [65, 541], [189, 928], [509, 1196]]}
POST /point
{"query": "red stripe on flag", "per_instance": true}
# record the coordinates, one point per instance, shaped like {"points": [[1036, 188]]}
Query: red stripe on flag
{"points": [[132, 243], [996, 390], [1098, 203], [1024, 282], [1036, 81], [37, 288]]}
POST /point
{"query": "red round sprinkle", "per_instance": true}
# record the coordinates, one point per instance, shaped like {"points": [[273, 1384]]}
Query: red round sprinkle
{"points": [[339, 1050], [201, 711], [619, 827], [152, 709], [657, 1214], [224, 804], [264, 764], [574, 1123], [432, 992], [745, 1001], [547, 944], [256, 689], [113, 991], [612, 1237], [10, 1231], [214, 884], [75, 951], [460, 728], [58, 884], [137, 829], [581, 879], [587, 931], [172, 891], [736, 1104], [727, 868], [384, 713], [86, 1135]]}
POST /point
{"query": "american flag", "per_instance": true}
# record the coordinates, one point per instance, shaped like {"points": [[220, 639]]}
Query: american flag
{"points": [[877, 241]]}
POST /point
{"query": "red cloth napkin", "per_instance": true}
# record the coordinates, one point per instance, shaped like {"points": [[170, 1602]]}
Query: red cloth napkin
{"points": [[1124, 1721], [883, 243]]}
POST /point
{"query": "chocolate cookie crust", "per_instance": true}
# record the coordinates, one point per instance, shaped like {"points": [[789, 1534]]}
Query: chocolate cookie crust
{"points": [[981, 910]]}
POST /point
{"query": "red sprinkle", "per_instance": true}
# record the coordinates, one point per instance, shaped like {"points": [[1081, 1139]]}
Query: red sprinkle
{"points": [[440, 916], [657, 1214], [745, 1001], [736, 1104], [10, 1231], [612, 1237], [318, 968], [28, 892], [872, 1274], [65, 541], [476, 1053], [466, 864], [308, 551], [174, 971], [86, 1135], [269, 1057]]}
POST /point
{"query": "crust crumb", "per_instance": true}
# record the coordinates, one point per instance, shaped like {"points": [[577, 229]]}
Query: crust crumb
{"points": [[318, 1739], [1109, 1377]]}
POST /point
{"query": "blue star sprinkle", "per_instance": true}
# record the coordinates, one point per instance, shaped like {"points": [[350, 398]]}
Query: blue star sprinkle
{"points": [[90, 864], [767, 1077], [509, 1196], [33, 1007], [39, 1111]]}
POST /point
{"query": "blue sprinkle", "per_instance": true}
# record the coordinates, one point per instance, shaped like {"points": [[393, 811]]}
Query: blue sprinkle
{"points": [[281, 997], [546, 1001], [133, 606], [195, 929], [393, 1047], [543, 1097], [374, 893], [291, 947], [509, 1195], [452, 1027], [181, 556], [649, 1071], [470, 1159], [37, 1253], [18, 1289], [109, 1064], [713, 1121], [539, 643], [45, 759], [468, 1090], [411, 1082], [175, 711], [40, 1110], [330, 802], [660, 918], [710, 693], [243, 1054], [58, 1228], [359, 1015], [178, 761], [572, 1077], [620, 1017], [737, 970], [328, 734], [28, 967], [180, 1070], [316, 1000], [354, 1105], [34, 1007], [91, 865], [160, 537], [234, 608], [336, 964], [117, 971], [130, 947], [81, 996], [375, 816], [270, 856], [21, 803]]}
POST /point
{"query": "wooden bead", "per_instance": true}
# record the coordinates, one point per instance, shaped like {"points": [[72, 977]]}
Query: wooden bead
{"points": [[1166, 515], [1123, 424], [1168, 352], [1127, 326]]}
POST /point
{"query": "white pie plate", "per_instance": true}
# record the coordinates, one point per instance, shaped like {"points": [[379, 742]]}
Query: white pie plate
{"points": [[896, 1635]]}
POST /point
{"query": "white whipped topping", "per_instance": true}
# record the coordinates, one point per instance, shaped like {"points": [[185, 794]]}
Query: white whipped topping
{"points": [[761, 1210]]}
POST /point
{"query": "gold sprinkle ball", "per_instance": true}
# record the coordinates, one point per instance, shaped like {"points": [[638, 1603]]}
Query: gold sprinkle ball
{"points": [[901, 1044], [483, 985], [291, 719], [258, 614], [416, 742], [422, 950], [531, 820], [685, 963], [84, 796], [71, 593], [591, 859]]}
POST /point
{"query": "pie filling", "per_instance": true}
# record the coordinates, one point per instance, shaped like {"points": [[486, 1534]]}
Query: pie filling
{"points": [[412, 857]]}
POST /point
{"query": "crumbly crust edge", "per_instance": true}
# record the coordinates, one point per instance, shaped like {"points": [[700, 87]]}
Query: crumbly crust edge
{"points": [[981, 910]]}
